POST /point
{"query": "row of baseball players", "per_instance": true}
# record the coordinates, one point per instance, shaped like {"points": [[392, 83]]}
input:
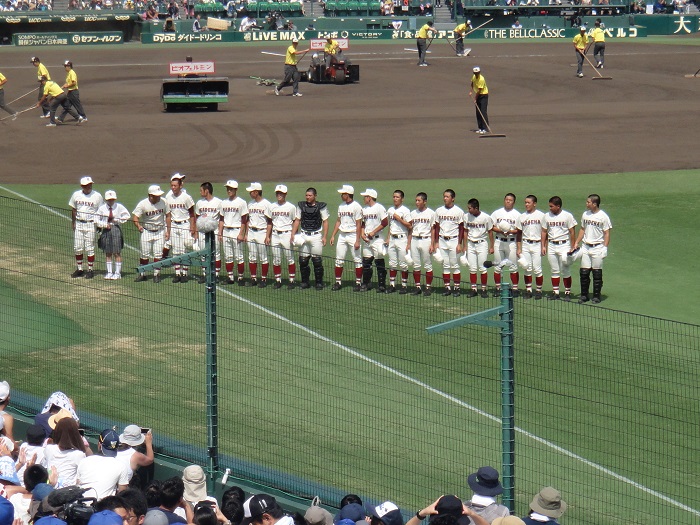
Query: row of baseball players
{"points": [[414, 238]]}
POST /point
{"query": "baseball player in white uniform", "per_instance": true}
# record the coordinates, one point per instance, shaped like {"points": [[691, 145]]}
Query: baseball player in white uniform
{"points": [[478, 231], [209, 206], [529, 252], [422, 247], [183, 229], [448, 233], [152, 219], [557, 239], [398, 242], [259, 228], [84, 204], [593, 240], [282, 214], [110, 216], [311, 230], [232, 231], [374, 220], [505, 243], [349, 224]]}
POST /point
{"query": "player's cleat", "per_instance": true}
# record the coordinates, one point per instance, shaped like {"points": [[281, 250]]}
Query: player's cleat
{"points": [[184, 279], [583, 299], [262, 283], [358, 288], [553, 297], [140, 278], [538, 295], [456, 293], [417, 291], [176, 279], [403, 290], [447, 292], [156, 279], [391, 289], [50, 125], [472, 293], [202, 279], [427, 293], [291, 285], [381, 289], [566, 298], [253, 283], [89, 274], [527, 294], [116, 276], [277, 91], [336, 287], [484, 294], [497, 292], [516, 293], [595, 299], [319, 286], [77, 273], [230, 281], [297, 95], [304, 286], [277, 285], [108, 276], [241, 281]]}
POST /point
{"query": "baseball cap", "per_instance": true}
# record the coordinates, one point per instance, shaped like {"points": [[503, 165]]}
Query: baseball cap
{"points": [[155, 517], [177, 176], [110, 194], [109, 440], [34, 59], [347, 189], [476, 69], [132, 435], [7, 512], [4, 391], [316, 515], [154, 189], [256, 506], [35, 434], [582, 28], [68, 63], [388, 513], [8, 472], [84, 181], [295, 40], [231, 184], [106, 517], [352, 511], [281, 187], [195, 483], [369, 192], [255, 186], [41, 490], [49, 520]]}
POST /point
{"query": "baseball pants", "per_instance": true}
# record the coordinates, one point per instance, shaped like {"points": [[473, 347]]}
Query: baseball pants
{"points": [[422, 45], [233, 250], [313, 244], [346, 241], [152, 243], [281, 244], [592, 255], [180, 237], [74, 99], [557, 257], [506, 250], [373, 248], [532, 253], [61, 100], [257, 251], [599, 49], [477, 253], [482, 115], [84, 238], [45, 107], [3, 105], [420, 253], [291, 78], [579, 62], [450, 261], [398, 253], [459, 45]]}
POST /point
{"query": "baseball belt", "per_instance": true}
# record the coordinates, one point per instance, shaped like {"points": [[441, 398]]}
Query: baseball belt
{"points": [[531, 241], [506, 239], [317, 232], [558, 242]]}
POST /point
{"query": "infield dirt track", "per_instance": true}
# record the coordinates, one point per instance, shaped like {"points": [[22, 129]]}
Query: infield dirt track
{"points": [[400, 121]]}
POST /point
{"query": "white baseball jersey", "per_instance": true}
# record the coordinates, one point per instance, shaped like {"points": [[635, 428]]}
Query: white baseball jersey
{"points": [[449, 220], [179, 206], [282, 216], [557, 226], [152, 216], [373, 217], [531, 225], [233, 211], [422, 222], [478, 226], [348, 214], [258, 214], [85, 205], [594, 226], [208, 208], [501, 214], [395, 227], [119, 214]]}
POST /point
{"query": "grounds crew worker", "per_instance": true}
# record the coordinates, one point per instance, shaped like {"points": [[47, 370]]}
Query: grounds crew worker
{"points": [[580, 43], [291, 75], [481, 94], [41, 71], [460, 32], [422, 42], [330, 50], [598, 36], [4, 106], [52, 91], [73, 94]]}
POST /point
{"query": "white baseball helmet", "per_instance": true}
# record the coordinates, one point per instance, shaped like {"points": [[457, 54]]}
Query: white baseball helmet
{"points": [[524, 263], [438, 257], [409, 259], [299, 240], [504, 226], [463, 260]]}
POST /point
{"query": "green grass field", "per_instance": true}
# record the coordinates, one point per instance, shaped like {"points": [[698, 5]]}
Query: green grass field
{"points": [[348, 391]]}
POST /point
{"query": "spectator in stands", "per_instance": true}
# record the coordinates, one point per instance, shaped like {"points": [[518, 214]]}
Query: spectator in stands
{"points": [[205, 513], [546, 507], [152, 493], [351, 508], [103, 472], [447, 510], [173, 11], [136, 504], [386, 513], [54, 404], [37, 483], [9, 482], [486, 486], [388, 8], [195, 482], [197, 25], [67, 449], [155, 517], [517, 24], [249, 23], [232, 505], [151, 13], [316, 515], [131, 438], [660, 7], [171, 499], [263, 509], [7, 512], [7, 419], [31, 452], [106, 517], [169, 26]]}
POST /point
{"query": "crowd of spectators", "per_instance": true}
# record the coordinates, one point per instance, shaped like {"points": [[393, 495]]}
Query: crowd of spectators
{"points": [[53, 477]]}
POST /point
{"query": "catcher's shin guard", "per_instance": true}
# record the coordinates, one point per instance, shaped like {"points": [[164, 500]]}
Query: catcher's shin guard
{"points": [[304, 269], [597, 282], [381, 272], [318, 269], [367, 270], [585, 277]]}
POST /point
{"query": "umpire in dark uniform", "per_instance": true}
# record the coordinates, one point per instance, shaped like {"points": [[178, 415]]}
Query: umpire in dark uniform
{"points": [[309, 234]]}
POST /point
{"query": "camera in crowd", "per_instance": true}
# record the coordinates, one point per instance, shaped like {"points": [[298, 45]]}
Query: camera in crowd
{"points": [[68, 504]]}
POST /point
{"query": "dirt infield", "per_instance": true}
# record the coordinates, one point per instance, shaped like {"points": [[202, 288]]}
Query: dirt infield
{"points": [[400, 121]]}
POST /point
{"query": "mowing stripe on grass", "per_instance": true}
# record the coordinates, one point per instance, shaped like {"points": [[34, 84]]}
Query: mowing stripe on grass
{"points": [[425, 386]]}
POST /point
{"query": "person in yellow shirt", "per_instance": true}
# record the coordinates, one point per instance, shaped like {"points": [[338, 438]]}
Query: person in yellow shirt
{"points": [[330, 50], [580, 43], [598, 36], [422, 42], [54, 95], [481, 99], [460, 32], [7, 108], [41, 71], [291, 74], [73, 95]]}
